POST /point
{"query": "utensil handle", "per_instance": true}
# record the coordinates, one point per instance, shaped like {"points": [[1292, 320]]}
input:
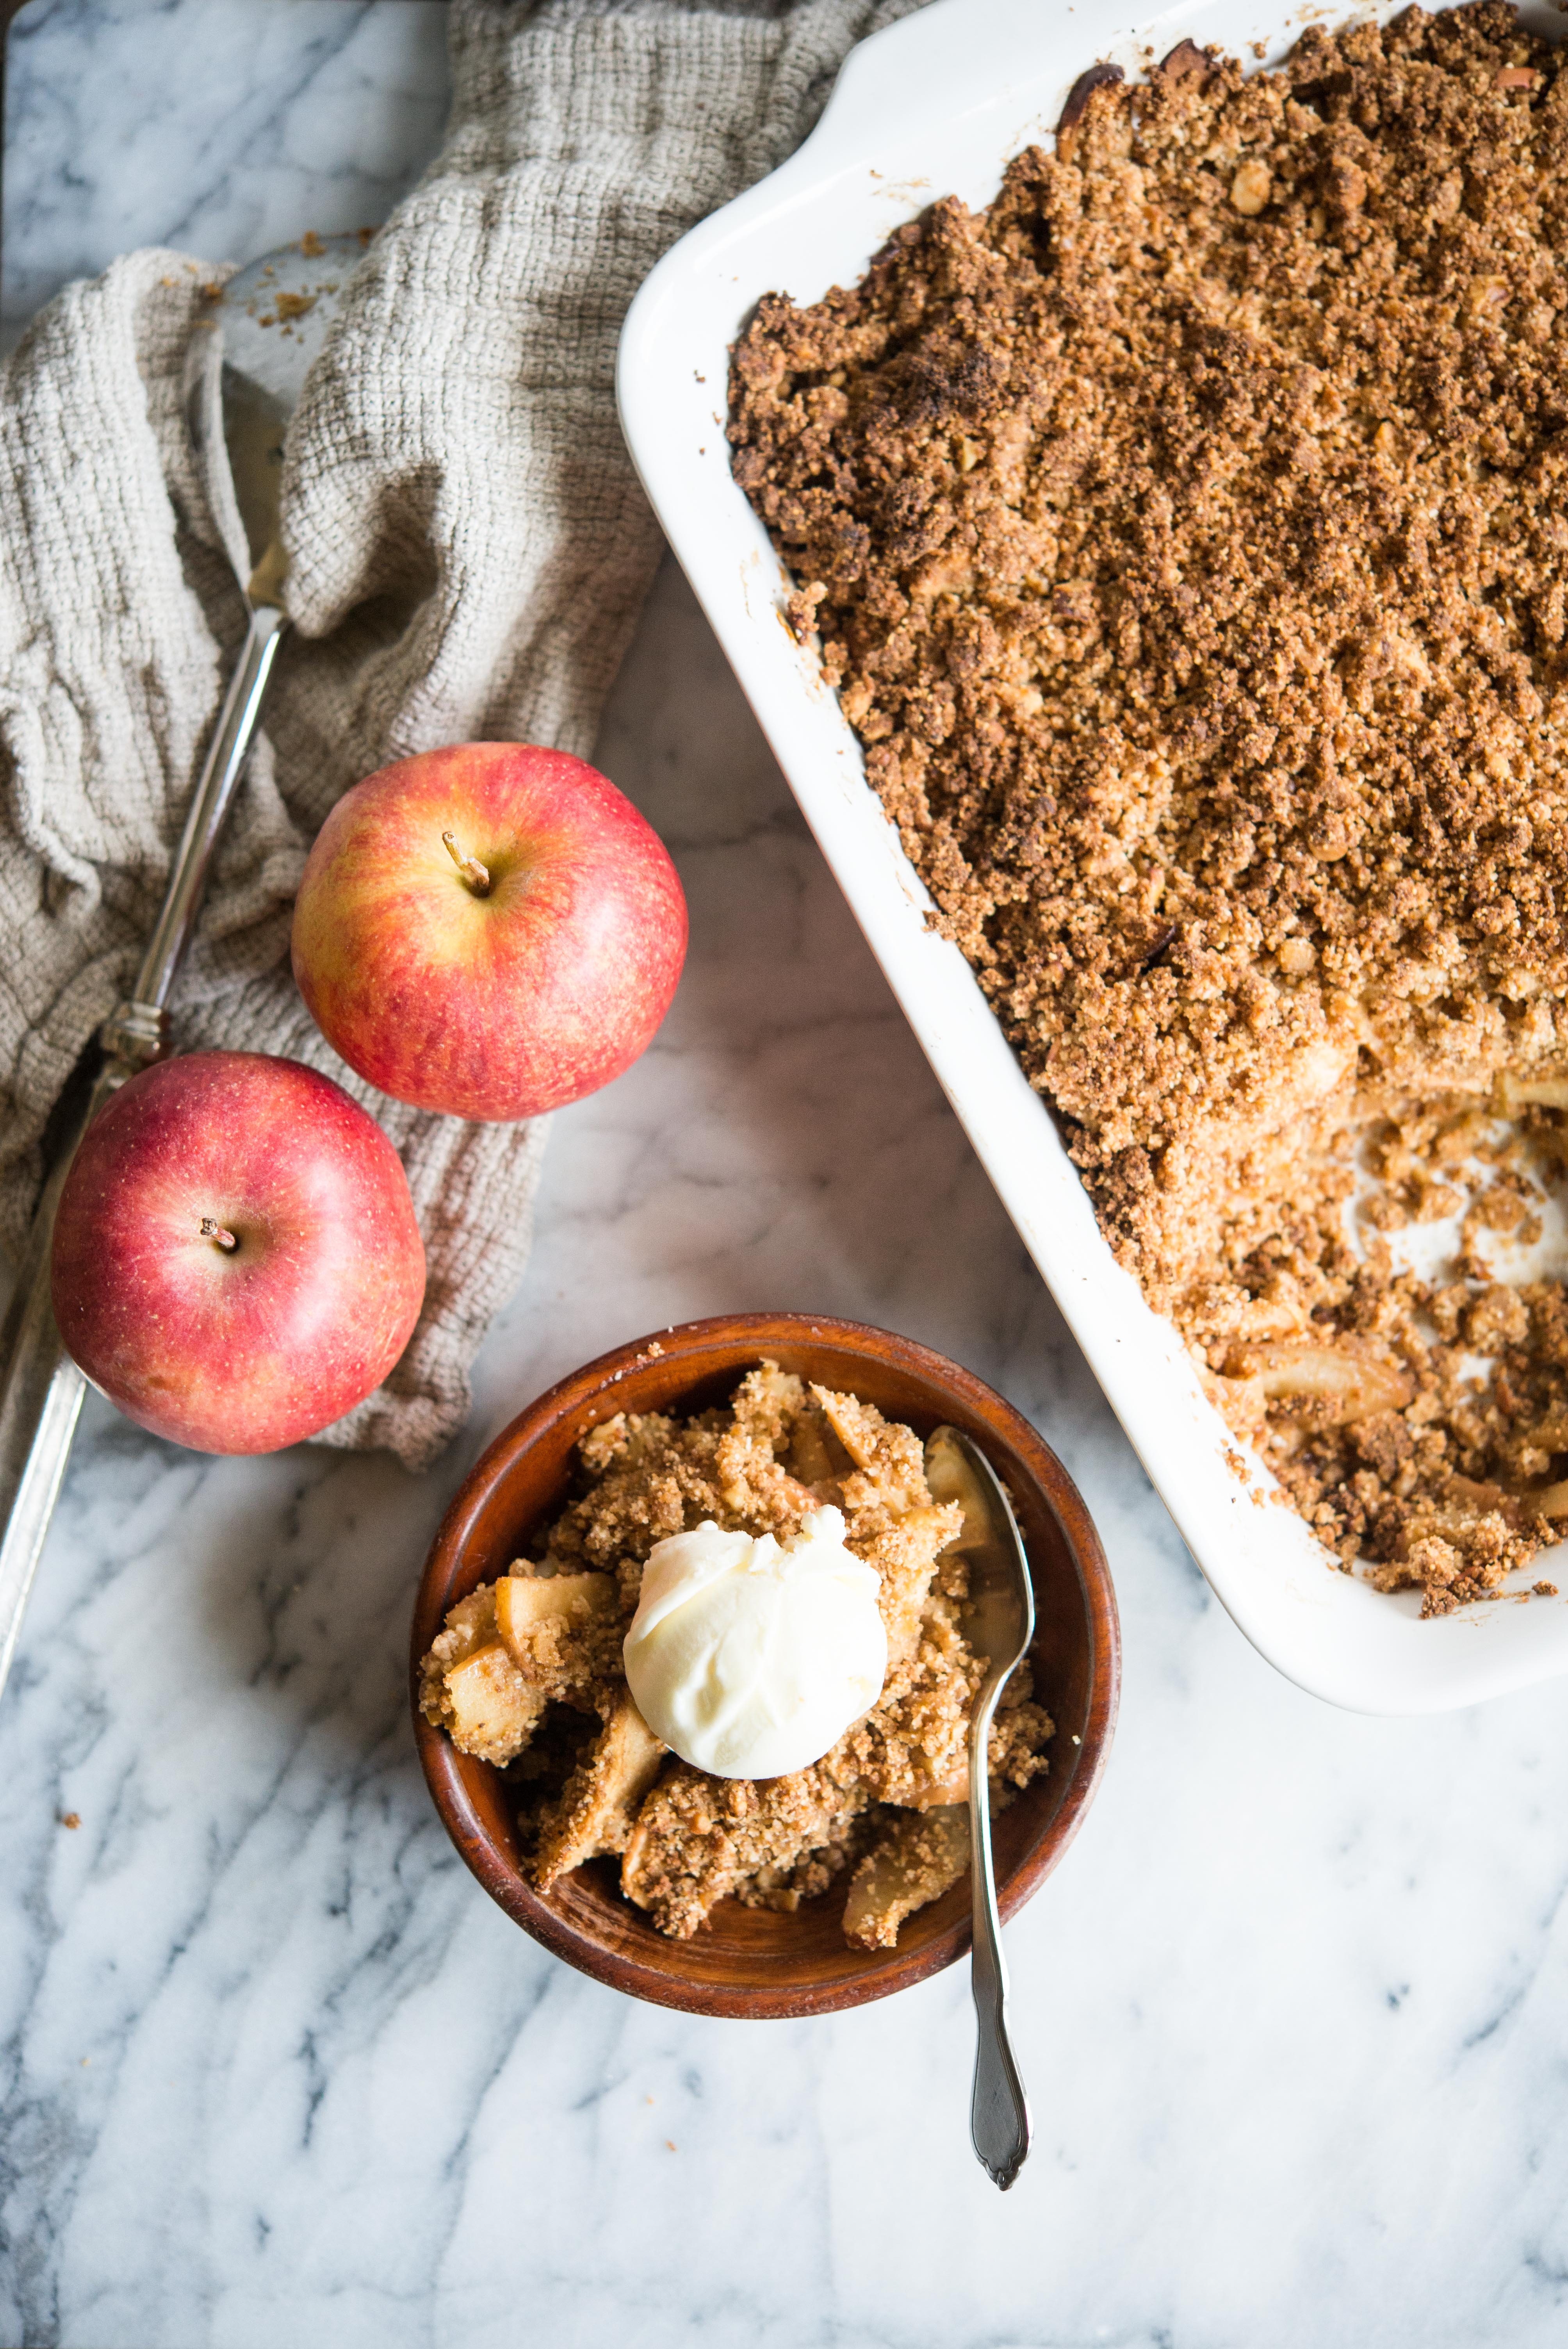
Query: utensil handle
{"points": [[999, 2110], [42, 1390], [41, 1396], [209, 805]]}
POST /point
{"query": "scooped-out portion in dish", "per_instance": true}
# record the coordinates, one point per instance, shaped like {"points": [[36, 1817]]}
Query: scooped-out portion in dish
{"points": [[529, 1672], [1185, 535]]}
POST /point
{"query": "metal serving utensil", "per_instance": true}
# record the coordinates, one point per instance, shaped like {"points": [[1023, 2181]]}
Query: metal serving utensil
{"points": [[999, 1623], [244, 373]]}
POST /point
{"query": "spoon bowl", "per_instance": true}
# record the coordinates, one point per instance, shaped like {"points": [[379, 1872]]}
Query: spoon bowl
{"points": [[244, 373]]}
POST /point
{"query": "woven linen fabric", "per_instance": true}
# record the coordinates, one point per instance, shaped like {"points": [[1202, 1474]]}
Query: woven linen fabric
{"points": [[469, 552]]}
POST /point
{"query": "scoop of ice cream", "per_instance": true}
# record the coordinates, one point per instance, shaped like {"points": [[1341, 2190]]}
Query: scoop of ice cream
{"points": [[750, 1659]]}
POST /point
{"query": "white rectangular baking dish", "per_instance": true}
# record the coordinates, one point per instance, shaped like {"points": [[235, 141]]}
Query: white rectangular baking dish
{"points": [[936, 105]]}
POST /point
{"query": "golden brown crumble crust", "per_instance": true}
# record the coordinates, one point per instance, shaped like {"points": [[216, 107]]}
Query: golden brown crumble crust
{"points": [[605, 1786], [1185, 534]]}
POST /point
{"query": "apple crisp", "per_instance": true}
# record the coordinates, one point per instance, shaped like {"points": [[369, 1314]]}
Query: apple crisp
{"points": [[1184, 536], [527, 1674]]}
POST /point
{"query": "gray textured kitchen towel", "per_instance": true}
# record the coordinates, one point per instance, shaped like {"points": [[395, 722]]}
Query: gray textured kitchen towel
{"points": [[469, 553]]}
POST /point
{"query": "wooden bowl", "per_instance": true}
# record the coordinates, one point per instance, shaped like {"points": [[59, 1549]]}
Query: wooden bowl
{"points": [[752, 1961]]}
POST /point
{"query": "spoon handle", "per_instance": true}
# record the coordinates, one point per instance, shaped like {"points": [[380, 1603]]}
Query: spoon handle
{"points": [[209, 805], [41, 1388], [999, 2110]]}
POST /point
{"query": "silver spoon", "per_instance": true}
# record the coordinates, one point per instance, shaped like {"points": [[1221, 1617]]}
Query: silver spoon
{"points": [[999, 1624], [245, 371]]}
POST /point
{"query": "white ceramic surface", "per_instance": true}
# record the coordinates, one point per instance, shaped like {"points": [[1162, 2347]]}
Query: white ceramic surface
{"points": [[935, 105]]}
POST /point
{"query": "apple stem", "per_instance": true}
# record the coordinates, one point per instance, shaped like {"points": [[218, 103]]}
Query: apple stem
{"points": [[476, 874], [213, 1230]]}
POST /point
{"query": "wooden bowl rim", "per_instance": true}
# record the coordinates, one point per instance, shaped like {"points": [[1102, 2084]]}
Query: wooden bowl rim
{"points": [[885, 1971]]}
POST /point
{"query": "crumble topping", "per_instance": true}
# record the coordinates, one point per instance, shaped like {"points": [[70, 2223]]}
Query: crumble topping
{"points": [[1185, 534], [527, 1674]]}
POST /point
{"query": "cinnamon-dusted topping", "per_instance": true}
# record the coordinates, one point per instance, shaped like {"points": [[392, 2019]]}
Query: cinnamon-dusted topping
{"points": [[1185, 535]]}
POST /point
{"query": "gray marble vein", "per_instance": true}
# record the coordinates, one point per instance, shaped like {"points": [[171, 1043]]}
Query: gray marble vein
{"points": [[1293, 2010], [223, 127]]}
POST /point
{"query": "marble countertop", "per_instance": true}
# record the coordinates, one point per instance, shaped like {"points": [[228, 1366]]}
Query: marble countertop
{"points": [[1294, 2011]]}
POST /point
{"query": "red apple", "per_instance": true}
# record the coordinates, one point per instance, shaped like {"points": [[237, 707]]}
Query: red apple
{"points": [[490, 930], [236, 1260]]}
